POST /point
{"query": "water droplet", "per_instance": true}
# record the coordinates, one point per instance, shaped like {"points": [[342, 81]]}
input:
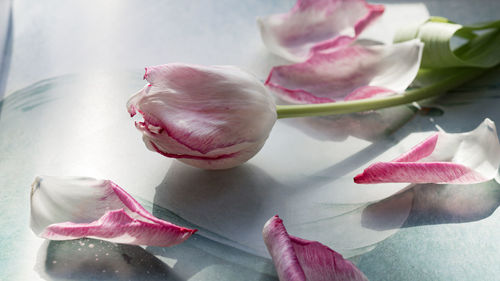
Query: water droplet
{"points": [[91, 246], [54, 262]]}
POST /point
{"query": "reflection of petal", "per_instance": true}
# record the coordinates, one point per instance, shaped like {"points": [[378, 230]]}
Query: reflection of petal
{"points": [[449, 203], [348, 73], [70, 208], [233, 203], [434, 204], [316, 24], [89, 259], [443, 158], [367, 125], [299, 259]]}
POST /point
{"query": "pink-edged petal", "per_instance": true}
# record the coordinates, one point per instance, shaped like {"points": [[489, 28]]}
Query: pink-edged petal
{"points": [[332, 44], [463, 158], [367, 92], [280, 247], [299, 259], [347, 73], [315, 24], [322, 263], [433, 172], [204, 115], [419, 151], [395, 17], [72, 208]]}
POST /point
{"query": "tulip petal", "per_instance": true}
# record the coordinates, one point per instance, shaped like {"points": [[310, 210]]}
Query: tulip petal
{"points": [[204, 116], [72, 208], [348, 73], [316, 24], [299, 259], [463, 158]]}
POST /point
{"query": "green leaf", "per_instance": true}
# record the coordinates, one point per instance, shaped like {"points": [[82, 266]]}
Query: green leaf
{"points": [[481, 49]]}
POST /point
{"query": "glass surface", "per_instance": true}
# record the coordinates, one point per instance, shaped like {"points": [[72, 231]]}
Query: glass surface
{"points": [[5, 42], [78, 125]]}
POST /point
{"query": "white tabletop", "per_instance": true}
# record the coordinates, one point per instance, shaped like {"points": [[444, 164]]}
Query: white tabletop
{"points": [[75, 63]]}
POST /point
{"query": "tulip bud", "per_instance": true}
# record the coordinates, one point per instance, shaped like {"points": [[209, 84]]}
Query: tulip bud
{"points": [[210, 117]]}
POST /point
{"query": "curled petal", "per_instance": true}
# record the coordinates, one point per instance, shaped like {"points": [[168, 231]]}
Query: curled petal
{"points": [[463, 158], [316, 24], [347, 73], [71, 208], [299, 259], [210, 117]]}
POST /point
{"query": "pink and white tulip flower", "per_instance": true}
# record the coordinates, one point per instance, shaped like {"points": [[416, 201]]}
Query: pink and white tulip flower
{"points": [[348, 72], [314, 25], [297, 259], [72, 208], [211, 117], [462, 158]]}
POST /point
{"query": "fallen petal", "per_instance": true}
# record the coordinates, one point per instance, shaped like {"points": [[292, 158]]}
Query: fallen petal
{"points": [[299, 259], [72, 208], [316, 24], [348, 73], [394, 18], [463, 158]]}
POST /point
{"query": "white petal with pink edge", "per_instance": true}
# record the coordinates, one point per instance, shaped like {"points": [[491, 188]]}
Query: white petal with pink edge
{"points": [[313, 24], [462, 158], [204, 116], [348, 72], [65, 208], [299, 259]]}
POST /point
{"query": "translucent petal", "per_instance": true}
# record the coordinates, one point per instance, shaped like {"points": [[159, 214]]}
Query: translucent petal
{"points": [[347, 73], [315, 24], [463, 158], [71, 208]]}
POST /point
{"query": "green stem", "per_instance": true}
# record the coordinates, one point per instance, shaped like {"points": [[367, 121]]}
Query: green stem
{"points": [[458, 78]]}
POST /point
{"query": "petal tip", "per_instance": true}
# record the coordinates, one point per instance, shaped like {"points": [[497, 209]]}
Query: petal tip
{"points": [[490, 124], [377, 8], [359, 178], [131, 110], [36, 183], [273, 220]]}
